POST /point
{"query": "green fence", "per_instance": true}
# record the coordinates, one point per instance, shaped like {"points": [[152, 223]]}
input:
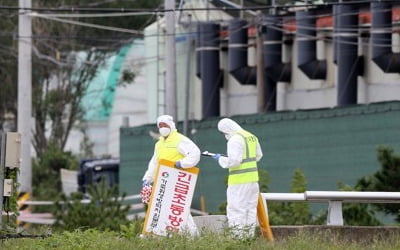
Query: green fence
{"points": [[329, 145]]}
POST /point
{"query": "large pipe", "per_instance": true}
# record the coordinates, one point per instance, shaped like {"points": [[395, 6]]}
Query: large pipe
{"points": [[306, 36], [270, 93], [237, 53], [275, 70], [198, 45], [347, 59], [336, 38], [272, 50], [208, 67], [336, 20], [381, 38]]}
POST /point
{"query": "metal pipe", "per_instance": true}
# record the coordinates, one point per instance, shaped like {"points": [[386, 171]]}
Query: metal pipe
{"points": [[306, 36], [261, 107], [188, 66], [237, 53], [272, 49], [211, 75], [347, 58], [381, 38], [335, 30], [275, 70], [170, 60]]}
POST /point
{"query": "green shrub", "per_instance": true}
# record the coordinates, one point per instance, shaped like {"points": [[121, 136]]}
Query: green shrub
{"points": [[104, 211], [386, 179], [292, 213], [46, 180]]}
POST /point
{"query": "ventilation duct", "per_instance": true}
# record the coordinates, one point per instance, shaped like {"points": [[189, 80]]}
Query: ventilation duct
{"points": [[237, 53], [207, 67], [306, 36], [335, 31], [381, 38], [198, 53], [347, 59], [274, 69], [272, 50]]}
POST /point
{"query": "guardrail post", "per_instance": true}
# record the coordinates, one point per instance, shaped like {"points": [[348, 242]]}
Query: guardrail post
{"points": [[335, 214]]}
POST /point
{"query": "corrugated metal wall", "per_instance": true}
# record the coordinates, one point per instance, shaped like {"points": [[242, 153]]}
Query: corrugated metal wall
{"points": [[329, 145]]}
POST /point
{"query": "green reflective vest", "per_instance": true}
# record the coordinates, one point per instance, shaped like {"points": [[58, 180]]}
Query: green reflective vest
{"points": [[168, 148], [247, 172]]}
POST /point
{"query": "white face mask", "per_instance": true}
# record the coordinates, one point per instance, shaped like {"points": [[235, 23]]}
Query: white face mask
{"points": [[227, 136], [164, 131]]}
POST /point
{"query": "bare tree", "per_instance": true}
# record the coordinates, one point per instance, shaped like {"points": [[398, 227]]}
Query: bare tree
{"points": [[65, 63]]}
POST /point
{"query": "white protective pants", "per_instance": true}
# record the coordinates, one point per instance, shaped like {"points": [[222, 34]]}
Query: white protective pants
{"points": [[241, 209], [190, 227]]}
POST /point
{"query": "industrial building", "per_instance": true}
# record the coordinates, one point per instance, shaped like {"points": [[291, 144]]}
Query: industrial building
{"points": [[325, 96]]}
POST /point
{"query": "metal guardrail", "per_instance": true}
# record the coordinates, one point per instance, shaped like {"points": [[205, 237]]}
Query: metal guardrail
{"points": [[84, 201], [137, 210], [47, 218], [335, 200]]}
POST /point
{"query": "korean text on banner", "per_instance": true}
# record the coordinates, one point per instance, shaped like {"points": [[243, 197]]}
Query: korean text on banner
{"points": [[170, 200]]}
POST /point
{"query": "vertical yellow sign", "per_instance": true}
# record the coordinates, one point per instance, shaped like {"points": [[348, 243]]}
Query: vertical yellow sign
{"points": [[263, 219]]}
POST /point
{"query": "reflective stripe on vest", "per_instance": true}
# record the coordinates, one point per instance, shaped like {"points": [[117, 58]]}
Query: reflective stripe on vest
{"points": [[247, 172], [168, 148]]}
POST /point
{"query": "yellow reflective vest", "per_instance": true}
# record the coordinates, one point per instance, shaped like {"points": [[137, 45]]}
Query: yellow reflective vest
{"points": [[168, 148], [247, 172]]}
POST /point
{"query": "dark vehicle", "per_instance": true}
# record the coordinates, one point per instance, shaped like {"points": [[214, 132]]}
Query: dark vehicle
{"points": [[92, 171]]}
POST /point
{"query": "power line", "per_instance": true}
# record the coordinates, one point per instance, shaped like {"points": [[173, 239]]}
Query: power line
{"points": [[158, 10], [90, 25], [96, 15], [129, 38], [54, 18], [274, 27]]}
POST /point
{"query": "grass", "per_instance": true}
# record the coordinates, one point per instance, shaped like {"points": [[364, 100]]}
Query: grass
{"points": [[94, 239]]}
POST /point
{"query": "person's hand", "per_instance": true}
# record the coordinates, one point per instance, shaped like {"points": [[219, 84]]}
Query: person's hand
{"points": [[178, 165], [146, 183], [216, 157]]}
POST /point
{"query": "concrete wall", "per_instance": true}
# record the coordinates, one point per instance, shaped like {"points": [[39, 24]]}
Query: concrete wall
{"points": [[328, 145]]}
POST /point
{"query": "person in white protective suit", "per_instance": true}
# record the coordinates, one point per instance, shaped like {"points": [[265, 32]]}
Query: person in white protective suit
{"points": [[243, 153], [175, 147]]}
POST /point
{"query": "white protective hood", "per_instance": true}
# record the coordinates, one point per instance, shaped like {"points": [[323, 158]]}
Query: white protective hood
{"points": [[168, 120], [228, 126]]}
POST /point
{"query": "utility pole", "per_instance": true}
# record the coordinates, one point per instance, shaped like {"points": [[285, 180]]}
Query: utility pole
{"points": [[25, 93], [273, 10], [261, 107], [170, 59], [188, 66], [241, 11], [2, 167]]}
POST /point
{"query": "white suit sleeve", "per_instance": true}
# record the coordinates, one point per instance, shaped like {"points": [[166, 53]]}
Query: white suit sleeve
{"points": [[190, 151], [259, 152], [235, 149], [151, 168]]}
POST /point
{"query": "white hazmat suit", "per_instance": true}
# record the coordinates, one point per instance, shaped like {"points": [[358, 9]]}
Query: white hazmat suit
{"points": [[241, 198], [191, 154]]}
